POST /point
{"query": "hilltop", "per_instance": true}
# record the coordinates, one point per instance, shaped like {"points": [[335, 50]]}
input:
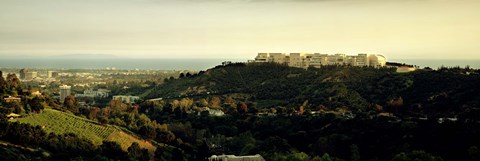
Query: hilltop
{"points": [[355, 88]]}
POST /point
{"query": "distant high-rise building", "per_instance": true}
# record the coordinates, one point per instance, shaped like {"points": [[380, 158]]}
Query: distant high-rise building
{"points": [[23, 72], [49, 74], [27, 75], [64, 92], [54, 74], [30, 75]]}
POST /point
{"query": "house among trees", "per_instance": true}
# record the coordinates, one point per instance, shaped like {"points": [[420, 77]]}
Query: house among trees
{"points": [[256, 157], [36, 93], [214, 112], [126, 99], [211, 112], [12, 99], [100, 93], [13, 116]]}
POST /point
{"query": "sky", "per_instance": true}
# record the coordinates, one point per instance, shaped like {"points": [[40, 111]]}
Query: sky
{"points": [[398, 29]]}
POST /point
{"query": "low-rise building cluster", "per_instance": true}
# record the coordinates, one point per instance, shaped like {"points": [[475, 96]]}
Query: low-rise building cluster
{"points": [[126, 99], [100, 93]]}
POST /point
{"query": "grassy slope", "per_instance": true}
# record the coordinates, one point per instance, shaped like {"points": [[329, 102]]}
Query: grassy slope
{"points": [[60, 122], [125, 140]]}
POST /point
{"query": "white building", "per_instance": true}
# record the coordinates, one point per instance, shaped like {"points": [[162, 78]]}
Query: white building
{"points": [[257, 157], [299, 60], [305, 60], [211, 112], [101, 93], [377, 60], [64, 92], [281, 58], [126, 99]]}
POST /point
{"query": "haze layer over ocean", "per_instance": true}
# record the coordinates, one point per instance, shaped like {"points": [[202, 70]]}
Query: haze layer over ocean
{"points": [[182, 64]]}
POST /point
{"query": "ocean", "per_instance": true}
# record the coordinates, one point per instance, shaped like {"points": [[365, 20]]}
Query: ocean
{"points": [[437, 63], [152, 64], [183, 64]]}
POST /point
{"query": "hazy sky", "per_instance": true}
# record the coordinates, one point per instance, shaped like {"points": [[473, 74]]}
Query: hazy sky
{"points": [[441, 29]]}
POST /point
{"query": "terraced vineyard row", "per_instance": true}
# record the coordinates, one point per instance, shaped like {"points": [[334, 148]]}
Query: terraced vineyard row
{"points": [[59, 122]]}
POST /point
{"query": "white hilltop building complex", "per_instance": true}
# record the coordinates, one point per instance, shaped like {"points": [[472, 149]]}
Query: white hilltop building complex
{"points": [[305, 60]]}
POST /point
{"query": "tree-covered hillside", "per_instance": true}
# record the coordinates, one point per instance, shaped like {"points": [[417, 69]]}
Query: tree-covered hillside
{"points": [[333, 112], [355, 88]]}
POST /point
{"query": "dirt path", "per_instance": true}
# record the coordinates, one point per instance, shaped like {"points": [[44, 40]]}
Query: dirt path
{"points": [[19, 146]]}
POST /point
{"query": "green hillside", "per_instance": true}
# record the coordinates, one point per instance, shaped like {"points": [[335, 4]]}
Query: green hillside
{"points": [[61, 123]]}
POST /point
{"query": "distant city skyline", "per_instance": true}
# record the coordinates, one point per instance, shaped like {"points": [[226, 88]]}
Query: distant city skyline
{"points": [[239, 29]]}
